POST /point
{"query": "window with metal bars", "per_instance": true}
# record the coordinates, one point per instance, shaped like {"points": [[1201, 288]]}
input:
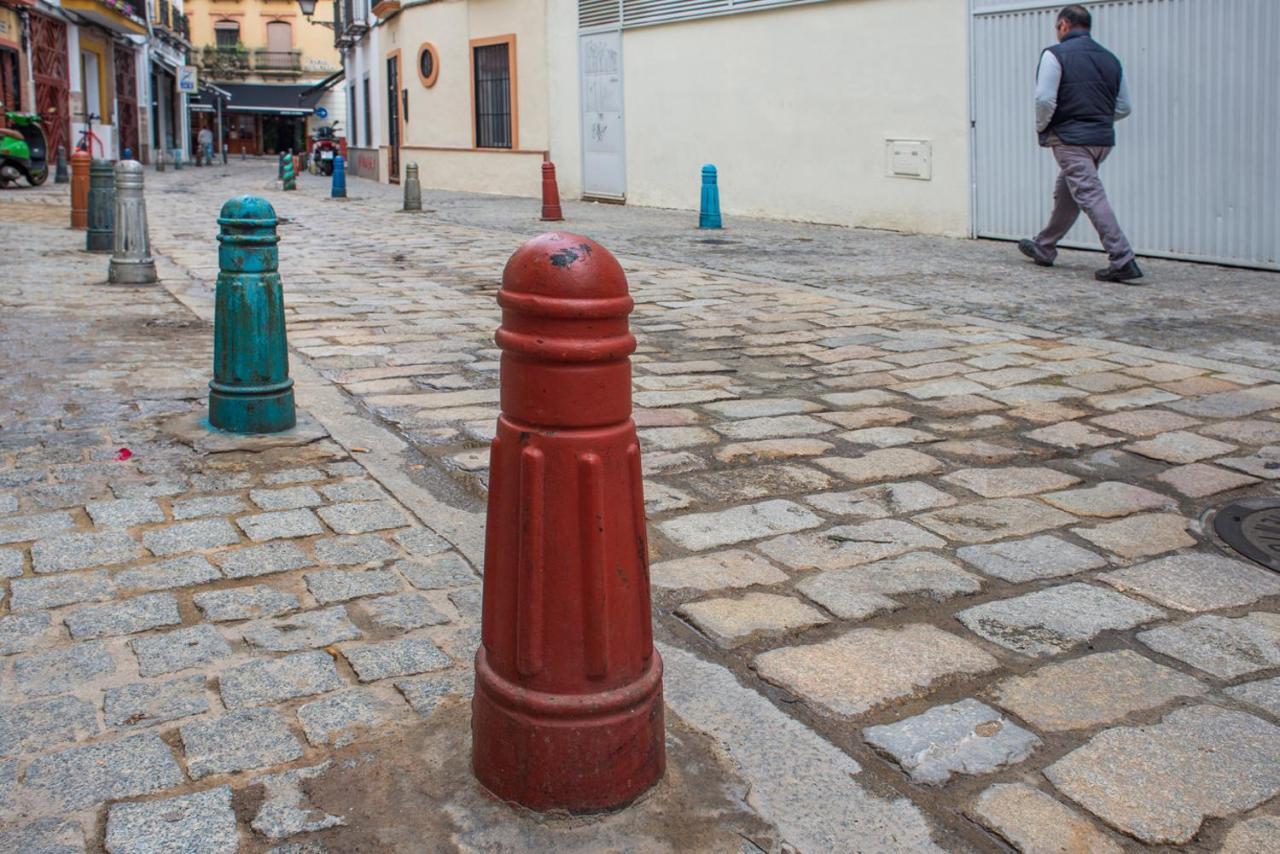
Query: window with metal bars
{"points": [[368, 113], [492, 69]]}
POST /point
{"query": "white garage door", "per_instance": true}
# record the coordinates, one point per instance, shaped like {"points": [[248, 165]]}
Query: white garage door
{"points": [[1195, 173]]}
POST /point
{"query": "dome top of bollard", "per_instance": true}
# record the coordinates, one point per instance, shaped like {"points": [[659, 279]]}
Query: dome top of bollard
{"points": [[565, 266], [709, 169], [247, 210]]}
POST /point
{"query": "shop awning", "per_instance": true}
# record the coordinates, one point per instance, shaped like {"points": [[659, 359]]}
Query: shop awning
{"points": [[280, 100]]}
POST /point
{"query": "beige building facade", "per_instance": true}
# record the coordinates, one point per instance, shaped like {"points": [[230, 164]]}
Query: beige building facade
{"points": [[269, 59], [851, 112], [459, 87]]}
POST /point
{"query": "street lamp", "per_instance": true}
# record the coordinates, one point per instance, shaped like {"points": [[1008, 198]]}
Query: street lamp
{"points": [[308, 8]]}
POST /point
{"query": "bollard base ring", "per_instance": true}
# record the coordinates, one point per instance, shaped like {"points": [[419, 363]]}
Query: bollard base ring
{"points": [[582, 753], [252, 413], [132, 272]]}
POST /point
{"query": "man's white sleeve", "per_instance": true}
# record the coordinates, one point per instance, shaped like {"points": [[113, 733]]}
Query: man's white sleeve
{"points": [[1124, 106], [1048, 76]]}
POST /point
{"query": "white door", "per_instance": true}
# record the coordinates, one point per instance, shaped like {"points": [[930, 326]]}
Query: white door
{"points": [[604, 166]]}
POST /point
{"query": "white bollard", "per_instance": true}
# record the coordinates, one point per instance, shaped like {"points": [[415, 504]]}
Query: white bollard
{"points": [[131, 262]]}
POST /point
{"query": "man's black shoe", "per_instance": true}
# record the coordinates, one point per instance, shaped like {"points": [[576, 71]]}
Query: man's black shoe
{"points": [[1124, 275], [1029, 248]]}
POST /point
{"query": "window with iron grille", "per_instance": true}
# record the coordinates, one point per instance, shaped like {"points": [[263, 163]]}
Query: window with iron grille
{"points": [[368, 114], [492, 69], [226, 34]]}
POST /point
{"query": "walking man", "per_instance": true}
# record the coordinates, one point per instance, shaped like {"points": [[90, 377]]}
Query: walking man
{"points": [[205, 138], [1080, 94]]}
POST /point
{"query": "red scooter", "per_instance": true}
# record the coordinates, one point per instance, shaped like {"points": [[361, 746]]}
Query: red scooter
{"points": [[324, 147]]}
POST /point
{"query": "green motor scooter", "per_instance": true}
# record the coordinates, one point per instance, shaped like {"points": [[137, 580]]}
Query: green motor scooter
{"points": [[24, 151]]}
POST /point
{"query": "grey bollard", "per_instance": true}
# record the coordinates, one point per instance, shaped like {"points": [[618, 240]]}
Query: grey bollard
{"points": [[412, 188], [177, 160], [60, 174], [159, 159], [131, 263], [102, 207], [224, 154]]}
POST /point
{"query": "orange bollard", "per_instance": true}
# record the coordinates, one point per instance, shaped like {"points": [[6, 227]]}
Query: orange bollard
{"points": [[80, 163], [550, 194], [567, 712]]}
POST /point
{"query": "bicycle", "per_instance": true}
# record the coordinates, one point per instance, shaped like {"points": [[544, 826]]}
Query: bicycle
{"points": [[88, 137]]}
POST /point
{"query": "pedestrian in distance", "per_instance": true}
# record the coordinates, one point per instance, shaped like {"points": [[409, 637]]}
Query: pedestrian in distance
{"points": [[205, 138], [1080, 94]]}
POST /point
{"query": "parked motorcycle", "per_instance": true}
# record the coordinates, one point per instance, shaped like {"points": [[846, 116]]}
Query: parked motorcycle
{"points": [[24, 151], [324, 147]]}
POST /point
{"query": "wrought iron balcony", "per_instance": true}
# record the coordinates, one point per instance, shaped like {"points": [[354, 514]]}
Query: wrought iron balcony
{"points": [[277, 61]]}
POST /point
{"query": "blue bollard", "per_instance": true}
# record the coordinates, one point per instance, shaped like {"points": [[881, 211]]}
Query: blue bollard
{"points": [[251, 391], [339, 190], [127, 154], [709, 213]]}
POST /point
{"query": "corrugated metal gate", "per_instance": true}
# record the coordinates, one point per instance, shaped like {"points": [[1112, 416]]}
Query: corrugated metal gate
{"points": [[1194, 174]]}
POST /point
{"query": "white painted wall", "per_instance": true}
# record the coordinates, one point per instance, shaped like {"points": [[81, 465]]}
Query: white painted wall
{"points": [[563, 112], [793, 106]]}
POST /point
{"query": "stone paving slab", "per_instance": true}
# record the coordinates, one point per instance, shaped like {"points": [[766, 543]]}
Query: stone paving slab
{"points": [[1097, 689], [865, 668], [1159, 783], [967, 737], [1033, 822], [200, 823], [1196, 581], [1052, 621]]}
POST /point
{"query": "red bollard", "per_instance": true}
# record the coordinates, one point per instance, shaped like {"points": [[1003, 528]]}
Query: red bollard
{"points": [[80, 163], [550, 194], [568, 710]]}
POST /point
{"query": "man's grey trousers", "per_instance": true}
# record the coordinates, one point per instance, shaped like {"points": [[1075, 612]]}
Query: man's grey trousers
{"points": [[1080, 189]]}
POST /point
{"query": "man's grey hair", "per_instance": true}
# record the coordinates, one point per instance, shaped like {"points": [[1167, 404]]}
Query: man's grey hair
{"points": [[1077, 16]]}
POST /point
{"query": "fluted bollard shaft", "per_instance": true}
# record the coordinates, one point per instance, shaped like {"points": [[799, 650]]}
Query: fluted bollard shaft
{"points": [[251, 391], [131, 261], [412, 188], [102, 207]]}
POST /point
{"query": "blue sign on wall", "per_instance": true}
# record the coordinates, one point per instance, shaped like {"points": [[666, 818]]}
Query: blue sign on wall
{"points": [[322, 113]]}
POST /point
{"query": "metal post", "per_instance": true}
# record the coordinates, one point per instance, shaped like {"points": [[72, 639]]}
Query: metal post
{"points": [[339, 188], [221, 144], [102, 207], [567, 712], [412, 188], [80, 189], [131, 262], [60, 175], [290, 180], [251, 391], [709, 211], [551, 211]]}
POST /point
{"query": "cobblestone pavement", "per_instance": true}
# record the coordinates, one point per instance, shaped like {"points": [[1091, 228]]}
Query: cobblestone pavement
{"points": [[921, 581]]}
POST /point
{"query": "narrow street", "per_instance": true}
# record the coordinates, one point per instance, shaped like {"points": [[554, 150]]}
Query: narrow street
{"points": [[931, 539]]}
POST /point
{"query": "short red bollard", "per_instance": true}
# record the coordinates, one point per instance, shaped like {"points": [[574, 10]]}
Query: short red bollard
{"points": [[550, 194], [80, 163], [568, 711]]}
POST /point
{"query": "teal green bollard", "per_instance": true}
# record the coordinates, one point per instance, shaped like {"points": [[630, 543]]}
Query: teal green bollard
{"points": [[709, 210], [251, 391]]}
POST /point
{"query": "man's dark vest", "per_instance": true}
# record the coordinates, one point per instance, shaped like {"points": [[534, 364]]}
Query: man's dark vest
{"points": [[1087, 94]]}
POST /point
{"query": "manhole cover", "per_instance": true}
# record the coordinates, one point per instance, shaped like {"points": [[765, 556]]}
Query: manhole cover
{"points": [[1253, 529]]}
